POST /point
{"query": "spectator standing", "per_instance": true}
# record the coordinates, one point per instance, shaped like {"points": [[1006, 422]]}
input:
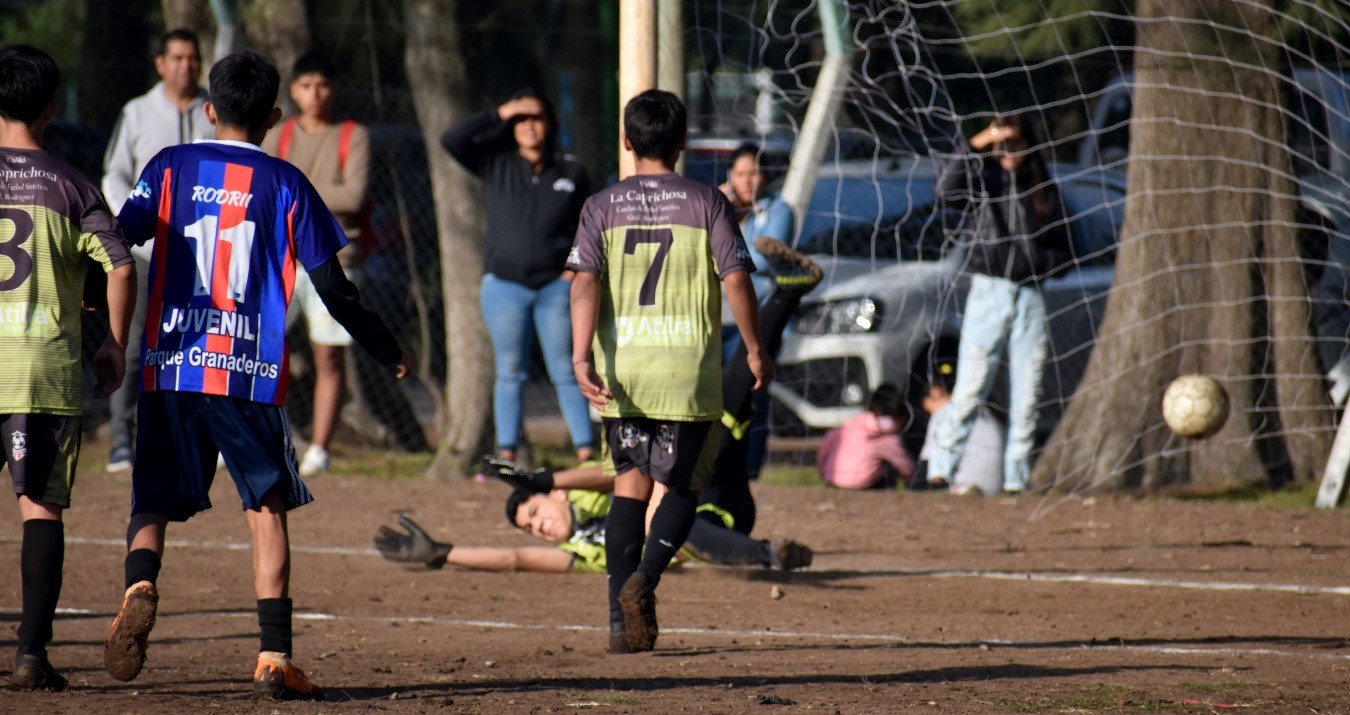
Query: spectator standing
{"points": [[1020, 237], [335, 157], [56, 219], [534, 195], [170, 113]]}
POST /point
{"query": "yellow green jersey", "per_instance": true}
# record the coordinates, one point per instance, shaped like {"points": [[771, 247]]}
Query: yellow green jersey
{"points": [[660, 245], [51, 220], [587, 544]]}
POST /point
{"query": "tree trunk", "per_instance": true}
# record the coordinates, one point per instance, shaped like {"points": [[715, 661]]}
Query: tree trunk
{"points": [[194, 15], [1207, 278], [434, 61], [279, 29]]}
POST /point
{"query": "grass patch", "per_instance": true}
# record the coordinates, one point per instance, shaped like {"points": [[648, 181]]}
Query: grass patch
{"points": [[1255, 492], [388, 466], [1100, 697], [607, 698], [791, 475]]}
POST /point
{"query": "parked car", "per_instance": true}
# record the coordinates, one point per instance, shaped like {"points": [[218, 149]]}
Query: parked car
{"points": [[890, 302]]}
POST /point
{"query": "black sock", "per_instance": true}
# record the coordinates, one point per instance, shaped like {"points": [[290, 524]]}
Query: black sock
{"points": [[41, 558], [670, 527], [141, 565], [274, 620], [624, 529], [714, 543]]}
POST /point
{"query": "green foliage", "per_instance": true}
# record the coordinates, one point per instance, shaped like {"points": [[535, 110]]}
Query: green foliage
{"points": [[1016, 30], [54, 26]]}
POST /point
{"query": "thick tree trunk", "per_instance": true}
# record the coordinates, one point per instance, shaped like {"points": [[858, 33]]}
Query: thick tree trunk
{"points": [[434, 61], [279, 29], [1206, 276], [194, 15]]}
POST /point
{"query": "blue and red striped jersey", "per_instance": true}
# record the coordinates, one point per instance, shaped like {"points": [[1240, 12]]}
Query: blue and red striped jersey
{"points": [[229, 225]]}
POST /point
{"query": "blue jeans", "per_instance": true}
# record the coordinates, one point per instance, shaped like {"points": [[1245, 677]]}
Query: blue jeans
{"points": [[999, 314], [514, 313]]}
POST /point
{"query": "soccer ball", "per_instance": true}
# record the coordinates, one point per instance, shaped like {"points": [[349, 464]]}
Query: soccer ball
{"points": [[1195, 406]]}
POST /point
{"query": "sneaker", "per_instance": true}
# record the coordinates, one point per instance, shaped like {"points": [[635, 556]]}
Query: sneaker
{"points": [[316, 460], [791, 270], [637, 598], [33, 672], [120, 458], [124, 651], [277, 679], [788, 555]]}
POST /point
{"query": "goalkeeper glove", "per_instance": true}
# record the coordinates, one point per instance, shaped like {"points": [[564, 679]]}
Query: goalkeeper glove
{"points": [[413, 547], [540, 481]]}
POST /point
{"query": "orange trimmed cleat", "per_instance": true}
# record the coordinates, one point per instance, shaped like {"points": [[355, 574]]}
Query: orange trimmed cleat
{"points": [[277, 679], [129, 636]]}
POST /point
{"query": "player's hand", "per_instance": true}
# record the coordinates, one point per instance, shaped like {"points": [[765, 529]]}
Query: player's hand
{"points": [[592, 387], [540, 481], [110, 367], [761, 366], [404, 367], [516, 107], [412, 547]]}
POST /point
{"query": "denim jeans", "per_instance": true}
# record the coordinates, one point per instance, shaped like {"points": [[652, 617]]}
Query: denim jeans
{"points": [[514, 314], [999, 314]]}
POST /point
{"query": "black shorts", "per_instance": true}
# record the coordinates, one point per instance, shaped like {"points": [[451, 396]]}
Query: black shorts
{"points": [[179, 434], [679, 455], [41, 452]]}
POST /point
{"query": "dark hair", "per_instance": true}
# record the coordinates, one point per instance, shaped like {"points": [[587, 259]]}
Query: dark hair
{"points": [[886, 401], [513, 502], [244, 90], [28, 81], [313, 63], [550, 149], [749, 149], [1033, 165], [656, 124], [178, 35]]}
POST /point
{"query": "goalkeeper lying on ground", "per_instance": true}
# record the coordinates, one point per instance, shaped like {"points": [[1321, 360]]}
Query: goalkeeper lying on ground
{"points": [[568, 509]]}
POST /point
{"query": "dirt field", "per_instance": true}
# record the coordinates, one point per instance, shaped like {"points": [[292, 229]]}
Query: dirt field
{"points": [[917, 603]]}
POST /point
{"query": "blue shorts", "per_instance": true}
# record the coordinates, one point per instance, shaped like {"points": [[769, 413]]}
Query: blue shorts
{"points": [[178, 436]]}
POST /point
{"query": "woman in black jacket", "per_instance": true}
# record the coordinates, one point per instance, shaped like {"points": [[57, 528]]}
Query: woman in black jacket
{"points": [[534, 195], [1020, 237]]}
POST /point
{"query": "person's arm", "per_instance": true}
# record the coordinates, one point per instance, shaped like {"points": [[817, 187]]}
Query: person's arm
{"points": [[590, 478], [119, 167], [348, 194], [585, 310], [741, 297], [524, 558], [894, 453], [110, 363], [460, 140], [339, 295]]}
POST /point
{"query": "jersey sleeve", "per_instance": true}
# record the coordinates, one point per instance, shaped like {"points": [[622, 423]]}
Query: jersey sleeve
{"points": [[318, 236], [728, 246], [100, 236], [588, 252], [139, 214]]}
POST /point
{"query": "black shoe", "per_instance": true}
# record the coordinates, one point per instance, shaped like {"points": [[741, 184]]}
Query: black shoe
{"points": [[33, 672], [638, 600], [618, 642], [791, 270], [789, 555]]}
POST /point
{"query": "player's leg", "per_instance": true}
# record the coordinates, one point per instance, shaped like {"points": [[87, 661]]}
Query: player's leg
{"points": [[985, 323], [329, 374], [170, 481], [1028, 344], [626, 524], [506, 309], [553, 323], [715, 543], [41, 452], [681, 456]]}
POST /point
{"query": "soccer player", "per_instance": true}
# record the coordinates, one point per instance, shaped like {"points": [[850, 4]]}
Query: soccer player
{"points": [[170, 113], [51, 220], [646, 348], [231, 225], [568, 509]]}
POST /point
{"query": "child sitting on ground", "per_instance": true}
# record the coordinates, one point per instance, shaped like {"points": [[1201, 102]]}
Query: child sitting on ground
{"points": [[865, 451]]}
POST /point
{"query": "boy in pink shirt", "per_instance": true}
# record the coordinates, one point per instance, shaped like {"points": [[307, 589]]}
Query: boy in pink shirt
{"points": [[855, 454]]}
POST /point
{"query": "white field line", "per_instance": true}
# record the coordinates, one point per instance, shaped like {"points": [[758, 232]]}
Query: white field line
{"points": [[1042, 577], [721, 633]]}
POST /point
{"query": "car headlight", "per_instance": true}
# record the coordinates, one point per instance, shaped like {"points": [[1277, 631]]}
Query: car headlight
{"points": [[855, 315]]}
